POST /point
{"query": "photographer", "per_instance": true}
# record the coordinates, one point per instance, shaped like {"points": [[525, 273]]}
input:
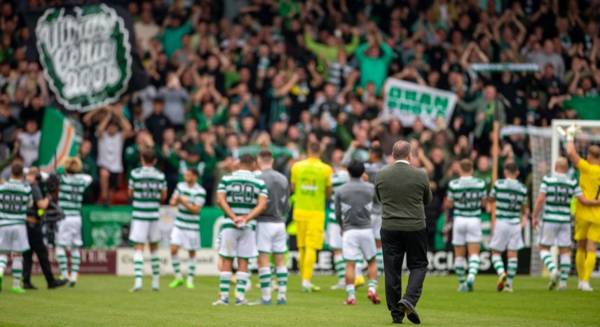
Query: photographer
{"points": [[41, 202]]}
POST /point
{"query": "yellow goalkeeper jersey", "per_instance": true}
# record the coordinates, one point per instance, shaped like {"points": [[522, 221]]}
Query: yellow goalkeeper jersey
{"points": [[589, 181], [311, 178]]}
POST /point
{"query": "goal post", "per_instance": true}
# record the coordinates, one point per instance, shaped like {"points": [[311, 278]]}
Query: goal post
{"points": [[547, 144], [590, 132]]}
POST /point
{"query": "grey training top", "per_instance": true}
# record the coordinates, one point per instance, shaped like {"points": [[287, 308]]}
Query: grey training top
{"points": [[279, 192], [353, 204], [372, 169]]}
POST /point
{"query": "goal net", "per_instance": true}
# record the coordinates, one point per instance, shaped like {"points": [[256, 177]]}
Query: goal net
{"points": [[547, 145]]}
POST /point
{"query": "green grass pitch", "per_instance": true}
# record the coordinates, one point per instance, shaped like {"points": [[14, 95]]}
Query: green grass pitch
{"points": [[105, 301]]}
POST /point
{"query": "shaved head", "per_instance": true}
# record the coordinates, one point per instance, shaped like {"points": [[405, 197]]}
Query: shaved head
{"points": [[594, 154], [561, 165], [401, 150]]}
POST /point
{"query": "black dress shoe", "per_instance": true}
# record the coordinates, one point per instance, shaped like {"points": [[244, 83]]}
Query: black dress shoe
{"points": [[29, 286], [397, 319], [58, 283], [409, 311]]}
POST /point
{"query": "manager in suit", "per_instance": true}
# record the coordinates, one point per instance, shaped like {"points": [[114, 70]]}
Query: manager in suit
{"points": [[403, 191]]}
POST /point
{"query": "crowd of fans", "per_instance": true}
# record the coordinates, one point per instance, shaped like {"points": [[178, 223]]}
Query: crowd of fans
{"points": [[232, 77]]}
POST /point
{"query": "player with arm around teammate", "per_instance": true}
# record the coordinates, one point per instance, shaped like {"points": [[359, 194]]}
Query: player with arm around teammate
{"points": [[242, 197], [271, 236], [353, 204], [70, 195], [188, 197], [466, 196], [510, 197], [147, 189], [556, 192]]}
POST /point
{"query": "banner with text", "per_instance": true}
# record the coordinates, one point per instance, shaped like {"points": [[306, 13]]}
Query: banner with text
{"points": [[409, 101], [87, 52]]}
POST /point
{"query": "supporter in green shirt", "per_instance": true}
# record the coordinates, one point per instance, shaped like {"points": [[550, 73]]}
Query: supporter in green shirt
{"points": [[374, 58]]}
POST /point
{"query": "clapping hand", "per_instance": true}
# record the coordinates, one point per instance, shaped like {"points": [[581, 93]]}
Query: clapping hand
{"points": [[570, 132]]}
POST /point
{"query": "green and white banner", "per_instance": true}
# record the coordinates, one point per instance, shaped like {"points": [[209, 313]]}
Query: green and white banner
{"points": [[409, 101], [60, 139], [86, 54], [107, 227]]}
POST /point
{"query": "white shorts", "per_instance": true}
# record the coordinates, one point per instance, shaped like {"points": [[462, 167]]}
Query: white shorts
{"points": [[13, 238], [238, 243], [558, 234], [69, 232], [358, 244], [334, 236], [466, 230], [186, 239], [271, 237], [376, 221], [506, 236], [144, 231]]}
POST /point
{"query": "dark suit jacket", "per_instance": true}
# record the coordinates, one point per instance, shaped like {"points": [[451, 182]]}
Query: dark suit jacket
{"points": [[403, 192]]}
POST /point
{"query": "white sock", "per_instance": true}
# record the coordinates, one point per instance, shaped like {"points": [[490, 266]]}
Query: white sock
{"points": [[138, 267], [75, 262], [498, 264], [264, 275], [17, 270], [224, 285], [459, 268], [565, 267], [176, 263], [282, 278], [155, 260], [241, 285], [473, 267], [191, 270], [372, 285], [61, 257], [350, 291], [3, 261], [548, 261]]}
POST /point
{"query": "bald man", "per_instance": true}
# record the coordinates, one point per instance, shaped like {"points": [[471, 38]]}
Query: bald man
{"points": [[554, 205], [403, 192]]}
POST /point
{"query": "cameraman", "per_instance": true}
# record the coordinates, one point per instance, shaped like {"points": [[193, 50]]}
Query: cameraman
{"points": [[36, 237]]}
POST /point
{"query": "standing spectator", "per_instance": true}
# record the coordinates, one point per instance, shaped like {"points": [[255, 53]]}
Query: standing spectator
{"points": [[145, 30], [487, 108], [157, 122], [175, 98], [548, 55], [29, 142], [111, 133], [374, 58]]}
